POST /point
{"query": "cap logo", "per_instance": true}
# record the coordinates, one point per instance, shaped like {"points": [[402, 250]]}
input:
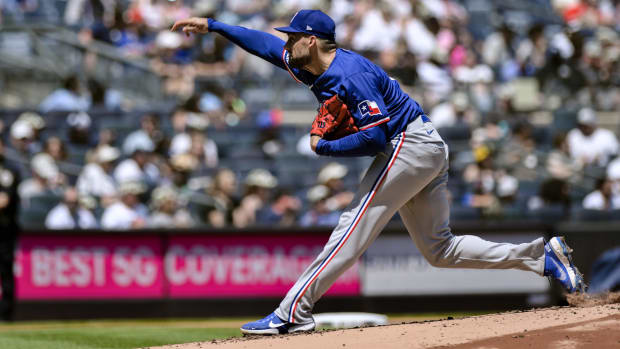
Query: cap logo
{"points": [[308, 27]]}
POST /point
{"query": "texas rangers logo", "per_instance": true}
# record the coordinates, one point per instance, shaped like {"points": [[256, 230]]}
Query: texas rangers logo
{"points": [[368, 108]]}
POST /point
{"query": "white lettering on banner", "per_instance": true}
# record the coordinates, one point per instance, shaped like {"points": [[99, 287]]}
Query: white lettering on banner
{"points": [[144, 268], [79, 260], [41, 267], [133, 267], [82, 267], [239, 265], [170, 265], [99, 265], [64, 267]]}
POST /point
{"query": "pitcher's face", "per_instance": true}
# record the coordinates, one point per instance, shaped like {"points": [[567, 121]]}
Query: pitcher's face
{"points": [[298, 47]]}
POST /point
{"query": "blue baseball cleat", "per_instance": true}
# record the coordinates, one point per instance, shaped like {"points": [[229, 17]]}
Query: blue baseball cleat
{"points": [[559, 264], [272, 324]]}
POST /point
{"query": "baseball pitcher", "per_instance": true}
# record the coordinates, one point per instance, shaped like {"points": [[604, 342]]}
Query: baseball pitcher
{"points": [[364, 112]]}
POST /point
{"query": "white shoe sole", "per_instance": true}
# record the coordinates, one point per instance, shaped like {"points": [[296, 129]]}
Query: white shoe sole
{"points": [[564, 257], [268, 331]]}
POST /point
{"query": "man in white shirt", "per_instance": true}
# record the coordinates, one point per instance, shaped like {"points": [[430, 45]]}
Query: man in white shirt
{"points": [[138, 168], [69, 214], [590, 144], [95, 179], [602, 198], [126, 213]]}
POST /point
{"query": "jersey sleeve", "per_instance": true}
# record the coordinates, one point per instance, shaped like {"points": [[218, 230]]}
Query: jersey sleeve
{"points": [[268, 47], [362, 94], [261, 44], [368, 142]]}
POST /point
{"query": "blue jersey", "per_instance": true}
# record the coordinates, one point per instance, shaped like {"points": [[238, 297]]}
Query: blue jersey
{"points": [[380, 108]]}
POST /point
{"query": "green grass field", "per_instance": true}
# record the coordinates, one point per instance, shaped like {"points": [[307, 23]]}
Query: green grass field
{"points": [[126, 334], [111, 334]]}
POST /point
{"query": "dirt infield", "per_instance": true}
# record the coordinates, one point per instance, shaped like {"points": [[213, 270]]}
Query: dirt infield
{"points": [[585, 326]]}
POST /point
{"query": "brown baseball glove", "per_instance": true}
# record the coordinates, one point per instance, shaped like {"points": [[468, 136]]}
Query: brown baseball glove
{"points": [[333, 120]]}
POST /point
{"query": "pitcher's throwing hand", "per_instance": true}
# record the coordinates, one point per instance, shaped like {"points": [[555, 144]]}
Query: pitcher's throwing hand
{"points": [[192, 25]]}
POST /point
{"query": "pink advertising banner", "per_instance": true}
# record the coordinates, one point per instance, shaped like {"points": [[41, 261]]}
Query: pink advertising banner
{"points": [[245, 266], [84, 267], [51, 267]]}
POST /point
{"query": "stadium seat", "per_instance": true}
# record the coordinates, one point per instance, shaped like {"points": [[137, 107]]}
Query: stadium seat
{"points": [[458, 212], [582, 214]]}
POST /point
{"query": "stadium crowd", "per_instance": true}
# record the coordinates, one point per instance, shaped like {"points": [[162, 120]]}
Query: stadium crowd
{"points": [[526, 105]]}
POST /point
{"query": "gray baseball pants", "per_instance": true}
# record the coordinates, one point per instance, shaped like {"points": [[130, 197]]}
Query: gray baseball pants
{"points": [[409, 177]]}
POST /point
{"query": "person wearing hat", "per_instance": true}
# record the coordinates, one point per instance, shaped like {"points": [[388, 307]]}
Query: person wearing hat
{"points": [[138, 167], [319, 214], [166, 211], [331, 177], [409, 173], [127, 212], [590, 144], [37, 124], [18, 150], [96, 177], [258, 186], [46, 178], [194, 140]]}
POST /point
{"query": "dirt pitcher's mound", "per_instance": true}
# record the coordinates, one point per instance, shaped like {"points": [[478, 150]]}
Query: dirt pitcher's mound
{"points": [[600, 323]]}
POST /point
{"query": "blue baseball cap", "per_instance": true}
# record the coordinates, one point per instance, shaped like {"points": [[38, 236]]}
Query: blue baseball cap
{"points": [[313, 22]]}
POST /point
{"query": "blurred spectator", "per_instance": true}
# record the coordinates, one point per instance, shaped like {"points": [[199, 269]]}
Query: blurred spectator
{"points": [[37, 124], [472, 71], [166, 211], [379, 30], [138, 167], [559, 164], [102, 97], [127, 212], [194, 141], [222, 193], [603, 198], [434, 77], [46, 178], [518, 154], [149, 133], [331, 177], [70, 213], [182, 166], [319, 214], [79, 128], [18, 153], [481, 182], [96, 178], [532, 50], [613, 173], [590, 144], [420, 36], [55, 148], [451, 113], [258, 184], [553, 192], [283, 210], [9, 205], [498, 47], [67, 98]]}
